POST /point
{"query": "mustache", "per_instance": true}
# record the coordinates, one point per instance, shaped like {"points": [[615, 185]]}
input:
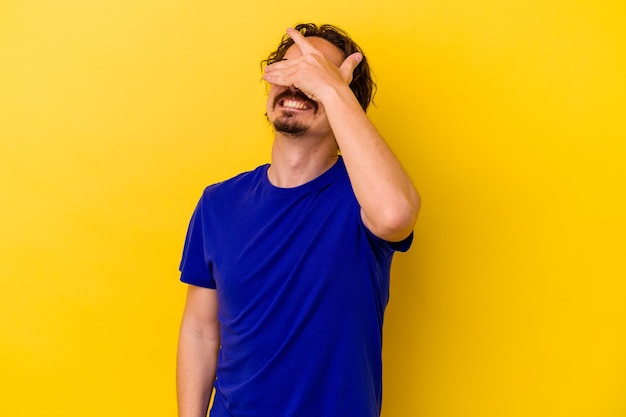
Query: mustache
{"points": [[297, 95]]}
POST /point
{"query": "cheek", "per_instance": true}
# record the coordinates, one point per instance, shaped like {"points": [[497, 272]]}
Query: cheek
{"points": [[269, 105], [271, 94]]}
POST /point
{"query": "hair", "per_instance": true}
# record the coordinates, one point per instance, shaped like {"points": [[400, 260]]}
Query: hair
{"points": [[362, 84]]}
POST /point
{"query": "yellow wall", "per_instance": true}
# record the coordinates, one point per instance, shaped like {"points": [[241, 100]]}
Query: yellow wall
{"points": [[509, 116]]}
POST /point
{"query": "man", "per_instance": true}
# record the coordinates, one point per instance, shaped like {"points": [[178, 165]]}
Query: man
{"points": [[288, 265]]}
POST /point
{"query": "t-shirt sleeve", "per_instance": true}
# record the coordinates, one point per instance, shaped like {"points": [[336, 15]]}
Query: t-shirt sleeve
{"points": [[388, 247], [194, 267], [403, 245]]}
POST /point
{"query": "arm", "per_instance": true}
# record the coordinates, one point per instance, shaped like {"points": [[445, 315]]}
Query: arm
{"points": [[388, 199], [198, 345], [389, 202]]}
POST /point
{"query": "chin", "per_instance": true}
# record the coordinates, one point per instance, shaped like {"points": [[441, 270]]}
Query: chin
{"points": [[290, 128]]}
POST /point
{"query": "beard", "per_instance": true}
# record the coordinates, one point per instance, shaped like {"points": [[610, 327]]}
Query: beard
{"points": [[287, 122]]}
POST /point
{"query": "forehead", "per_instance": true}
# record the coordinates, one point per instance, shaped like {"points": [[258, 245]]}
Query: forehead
{"points": [[330, 51]]}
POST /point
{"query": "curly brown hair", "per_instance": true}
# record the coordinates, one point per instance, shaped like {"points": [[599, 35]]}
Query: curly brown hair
{"points": [[362, 85]]}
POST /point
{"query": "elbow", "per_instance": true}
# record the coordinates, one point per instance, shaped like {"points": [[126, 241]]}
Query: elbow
{"points": [[397, 221]]}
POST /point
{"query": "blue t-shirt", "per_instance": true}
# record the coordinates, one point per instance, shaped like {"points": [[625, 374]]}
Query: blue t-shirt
{"points": [[302, 287]]}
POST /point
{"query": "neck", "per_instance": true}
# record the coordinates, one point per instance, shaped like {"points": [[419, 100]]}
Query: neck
{"points": [[296, 161]]}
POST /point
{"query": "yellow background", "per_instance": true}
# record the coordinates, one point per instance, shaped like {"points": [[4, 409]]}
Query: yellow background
{"points": [[509, 116]]}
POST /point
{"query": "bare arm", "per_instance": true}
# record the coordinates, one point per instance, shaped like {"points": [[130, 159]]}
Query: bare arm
{"points": [[198, 345], [388, 199], [389, 202]]}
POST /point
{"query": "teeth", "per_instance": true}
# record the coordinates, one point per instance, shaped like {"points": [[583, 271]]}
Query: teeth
{"points": [[294, 104]]}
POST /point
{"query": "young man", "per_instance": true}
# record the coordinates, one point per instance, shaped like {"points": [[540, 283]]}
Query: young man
{"points": [[288, 265]]}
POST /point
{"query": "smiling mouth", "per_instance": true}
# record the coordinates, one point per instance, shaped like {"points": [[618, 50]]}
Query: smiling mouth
{"points": [[295, 100], [294, 104]]}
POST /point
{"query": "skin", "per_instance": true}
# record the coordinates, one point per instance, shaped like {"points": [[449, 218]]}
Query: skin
{"points": [[388, 199], [198, 346], [389, 202]]}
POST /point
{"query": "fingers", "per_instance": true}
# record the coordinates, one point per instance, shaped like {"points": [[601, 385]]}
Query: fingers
{"points": [[280, 75], [349, 64], [316, 67], [302, 43], [300, 40]]}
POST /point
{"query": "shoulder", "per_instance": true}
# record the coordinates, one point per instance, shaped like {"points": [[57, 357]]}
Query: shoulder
{"points": [[239, 183]]}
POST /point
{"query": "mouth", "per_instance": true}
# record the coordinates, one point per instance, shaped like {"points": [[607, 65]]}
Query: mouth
{"points": [[295, 100], [294, 104]]}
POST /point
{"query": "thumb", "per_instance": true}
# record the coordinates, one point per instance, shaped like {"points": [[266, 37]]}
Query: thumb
{"points": [[349, 64]]}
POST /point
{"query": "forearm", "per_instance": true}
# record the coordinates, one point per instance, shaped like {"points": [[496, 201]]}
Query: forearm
{"points": [[195, 372], [383, 188], [388, 200]]}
